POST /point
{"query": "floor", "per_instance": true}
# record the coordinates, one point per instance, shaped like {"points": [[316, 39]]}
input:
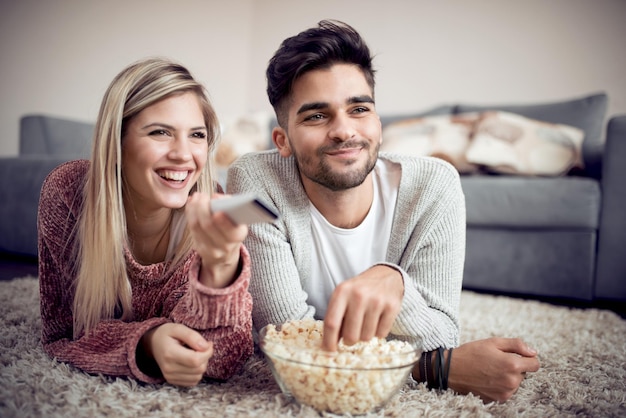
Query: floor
{"points": [[619, 307], [12, 266]]}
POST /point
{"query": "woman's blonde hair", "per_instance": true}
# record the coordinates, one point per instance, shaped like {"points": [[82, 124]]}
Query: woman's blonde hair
{"points": [[102, 287]]}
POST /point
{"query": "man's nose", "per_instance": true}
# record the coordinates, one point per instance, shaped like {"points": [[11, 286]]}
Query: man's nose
{"points": [[342, 128]]}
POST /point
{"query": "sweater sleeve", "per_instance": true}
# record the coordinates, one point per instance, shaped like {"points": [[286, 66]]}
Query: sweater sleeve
{"points": [[221, 315], [430, 255], [279, 259]]}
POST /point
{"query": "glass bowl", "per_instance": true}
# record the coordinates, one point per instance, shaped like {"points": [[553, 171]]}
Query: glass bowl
{"points": [[354, 380]]}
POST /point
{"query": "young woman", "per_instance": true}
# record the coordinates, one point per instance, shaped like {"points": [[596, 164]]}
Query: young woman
{"points": [[138, 277]]}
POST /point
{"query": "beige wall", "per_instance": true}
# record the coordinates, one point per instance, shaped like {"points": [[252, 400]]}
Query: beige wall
{"points": [[58, 56]]}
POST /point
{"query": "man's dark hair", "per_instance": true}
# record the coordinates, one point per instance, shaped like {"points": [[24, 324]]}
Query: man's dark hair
{"points": [[331, 42]]}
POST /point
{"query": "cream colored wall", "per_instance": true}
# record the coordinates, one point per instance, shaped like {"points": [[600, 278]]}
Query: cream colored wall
{"points": [[489, 51], [58, 56]]}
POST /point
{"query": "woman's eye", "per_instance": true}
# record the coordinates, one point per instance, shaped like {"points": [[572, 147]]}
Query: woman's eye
{"points": [[158, 132], [201, 135]]}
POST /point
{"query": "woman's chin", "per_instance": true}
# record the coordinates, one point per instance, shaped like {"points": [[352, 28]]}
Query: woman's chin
{"points": [[175, 203]]}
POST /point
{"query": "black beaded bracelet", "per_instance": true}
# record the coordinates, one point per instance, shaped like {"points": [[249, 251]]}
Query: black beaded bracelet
{"points": [[440, 367], [444, 381], [423, 371], [430, 375], [435, 374]]}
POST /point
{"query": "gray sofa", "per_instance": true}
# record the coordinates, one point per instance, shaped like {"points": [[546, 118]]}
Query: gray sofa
{"points": [[544, 237], [541, 236], [44, 143], [554, 237]]}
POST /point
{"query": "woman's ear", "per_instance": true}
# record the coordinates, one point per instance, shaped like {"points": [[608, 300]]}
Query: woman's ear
{"points": [[281, 141]]}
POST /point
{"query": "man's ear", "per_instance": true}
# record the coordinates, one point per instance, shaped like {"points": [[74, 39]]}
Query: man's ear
{"points": [[281, 141]]}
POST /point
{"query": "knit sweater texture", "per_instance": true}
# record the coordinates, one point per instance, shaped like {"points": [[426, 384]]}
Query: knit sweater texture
{"points": [[222, 316], [427, 244]]}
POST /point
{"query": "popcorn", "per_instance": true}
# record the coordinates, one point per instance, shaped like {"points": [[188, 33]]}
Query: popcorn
{"points": [[354, 380]]}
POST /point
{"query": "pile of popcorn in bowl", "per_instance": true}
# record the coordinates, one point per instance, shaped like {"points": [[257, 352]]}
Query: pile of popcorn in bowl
{"points": [[355, 379]]}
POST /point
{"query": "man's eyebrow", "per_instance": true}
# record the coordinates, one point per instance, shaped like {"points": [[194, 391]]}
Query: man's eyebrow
{"points": [[361, 99], [312, 106], [322, 105]]}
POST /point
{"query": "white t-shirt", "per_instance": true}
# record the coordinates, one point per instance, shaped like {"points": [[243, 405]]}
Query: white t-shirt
{"points": [[339, 254]]}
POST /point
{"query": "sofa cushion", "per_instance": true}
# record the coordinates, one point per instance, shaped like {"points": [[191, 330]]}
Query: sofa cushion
{"points": [[53, 136], [529, 202], [443, 136], [510, 143], [587, 113]]}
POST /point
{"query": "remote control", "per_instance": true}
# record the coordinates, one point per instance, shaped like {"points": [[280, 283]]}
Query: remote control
{"points": [[244, 209]]}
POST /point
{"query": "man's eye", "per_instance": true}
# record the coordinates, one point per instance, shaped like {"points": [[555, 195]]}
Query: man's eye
{"points": [[361, 109], [315, 117]]}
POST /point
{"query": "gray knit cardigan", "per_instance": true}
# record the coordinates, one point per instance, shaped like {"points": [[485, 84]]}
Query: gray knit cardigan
{"points": [[427, 244]]}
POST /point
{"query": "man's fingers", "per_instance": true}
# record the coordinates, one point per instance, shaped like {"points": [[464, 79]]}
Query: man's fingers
{"points": [[333, 322], [516, 346], [527, 360], [369, 326], [330, 339], [385, 323], [530, 364], [355, 312], [361, 308]]}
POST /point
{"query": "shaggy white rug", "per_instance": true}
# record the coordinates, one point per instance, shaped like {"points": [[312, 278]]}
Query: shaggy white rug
{"points": [[582, 353]]}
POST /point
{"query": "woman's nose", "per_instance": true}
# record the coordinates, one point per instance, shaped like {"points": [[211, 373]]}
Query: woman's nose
{"points": [[180, 149]]}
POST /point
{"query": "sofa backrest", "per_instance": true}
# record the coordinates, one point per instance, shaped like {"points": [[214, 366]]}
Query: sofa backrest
{"points": [[587, 113], [54, 136], [436, 111]]}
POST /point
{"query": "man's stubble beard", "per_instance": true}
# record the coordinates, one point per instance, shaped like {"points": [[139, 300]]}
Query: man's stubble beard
{"points": [[323, 174]]}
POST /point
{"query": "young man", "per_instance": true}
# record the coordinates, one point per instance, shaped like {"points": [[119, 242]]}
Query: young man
{"points": [[373, 244]]}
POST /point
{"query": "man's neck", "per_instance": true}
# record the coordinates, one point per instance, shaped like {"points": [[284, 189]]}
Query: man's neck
{"points": [[344, 208]]}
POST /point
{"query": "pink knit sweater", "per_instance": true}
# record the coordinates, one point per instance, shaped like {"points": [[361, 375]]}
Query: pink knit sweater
{"points": [[220, 315]]}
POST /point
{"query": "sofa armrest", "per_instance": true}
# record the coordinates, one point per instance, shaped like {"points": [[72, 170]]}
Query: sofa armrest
{"points": [[611, 267], [21, 179]]}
